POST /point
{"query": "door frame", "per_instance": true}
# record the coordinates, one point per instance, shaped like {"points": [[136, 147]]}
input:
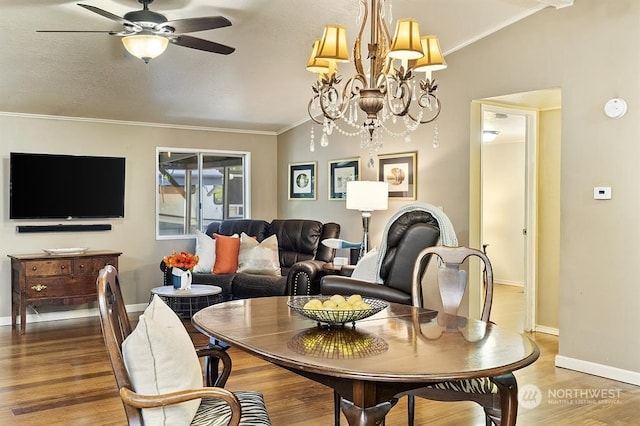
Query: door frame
{"points": [[531, 202]]}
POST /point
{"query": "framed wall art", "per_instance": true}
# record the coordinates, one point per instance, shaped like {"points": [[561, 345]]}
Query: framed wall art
{"points": [[302, 181], [341, 172], [400, 172]]}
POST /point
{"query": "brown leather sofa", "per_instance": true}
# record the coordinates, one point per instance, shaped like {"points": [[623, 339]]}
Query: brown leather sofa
{"points": [[301, 254]]}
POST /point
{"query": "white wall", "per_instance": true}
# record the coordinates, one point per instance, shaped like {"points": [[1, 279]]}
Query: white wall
{"points": [[135, 234], [503, 199]]}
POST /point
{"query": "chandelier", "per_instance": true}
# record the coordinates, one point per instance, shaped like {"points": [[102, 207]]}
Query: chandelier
{"points": [[388, 92]]}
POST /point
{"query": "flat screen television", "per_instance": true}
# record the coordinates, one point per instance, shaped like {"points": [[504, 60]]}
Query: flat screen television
{"points": [[53, 186]]}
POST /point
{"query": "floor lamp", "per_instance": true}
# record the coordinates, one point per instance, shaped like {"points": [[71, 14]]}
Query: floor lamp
{"points": [[367, 196]]}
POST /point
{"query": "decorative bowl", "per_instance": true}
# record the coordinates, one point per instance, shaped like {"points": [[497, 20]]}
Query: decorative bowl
{"points": [[335, 317], [62, 251]]}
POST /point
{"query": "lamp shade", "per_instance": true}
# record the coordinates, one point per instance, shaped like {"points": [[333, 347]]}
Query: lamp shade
{"points": [[315, 65], [433, 60], [145, 46], [406, 42], [367, 195], [333, 44]]}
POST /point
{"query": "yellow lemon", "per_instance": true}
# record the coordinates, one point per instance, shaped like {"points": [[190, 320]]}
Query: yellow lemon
{"points": [[338, 298], [313, 304], [354, 298], [364, 305], [344, 306], [329, 303]]}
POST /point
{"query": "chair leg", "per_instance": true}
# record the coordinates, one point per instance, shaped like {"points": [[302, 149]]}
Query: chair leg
{"points": [[411, 408], [508, 390], [336, 408]]}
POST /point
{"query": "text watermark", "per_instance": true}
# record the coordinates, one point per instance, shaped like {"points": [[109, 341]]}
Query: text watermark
{"points": [[530, 396]]}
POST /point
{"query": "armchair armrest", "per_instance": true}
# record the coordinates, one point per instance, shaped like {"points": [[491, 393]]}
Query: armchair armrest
{"points": [[303, 278], [133, 399], [336, 284], [347, 270], [212, 355], [166, 272]]}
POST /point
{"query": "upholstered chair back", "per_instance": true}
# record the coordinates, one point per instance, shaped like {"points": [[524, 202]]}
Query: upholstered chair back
{"points": [[407, 236], [301, 240]]}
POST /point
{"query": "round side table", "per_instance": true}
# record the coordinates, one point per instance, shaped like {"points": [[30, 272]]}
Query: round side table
{"points": [[187, 302]]}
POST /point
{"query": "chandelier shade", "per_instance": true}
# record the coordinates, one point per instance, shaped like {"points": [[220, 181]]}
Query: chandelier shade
{"points": [[432, 59], [145, 46], [390, 92], [406, 42], [333, 44], [316, 65]]}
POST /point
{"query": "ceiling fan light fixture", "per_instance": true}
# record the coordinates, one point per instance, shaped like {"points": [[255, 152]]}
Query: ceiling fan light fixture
{"points": [[145, 46]]}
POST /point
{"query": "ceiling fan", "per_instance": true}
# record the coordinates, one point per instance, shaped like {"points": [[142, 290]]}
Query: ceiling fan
{"points": [[146, 33]]}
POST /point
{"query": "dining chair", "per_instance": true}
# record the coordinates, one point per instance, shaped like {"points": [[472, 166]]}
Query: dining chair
{"points": [[161, 336], [494, 394]]}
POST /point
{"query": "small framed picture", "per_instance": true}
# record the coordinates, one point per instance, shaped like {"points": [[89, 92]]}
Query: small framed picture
{"points": [[341, 172], [302, 181], [400, 172]]}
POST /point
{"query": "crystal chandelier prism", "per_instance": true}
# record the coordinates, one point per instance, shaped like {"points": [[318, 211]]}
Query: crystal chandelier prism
{"points": [[390, 96]]}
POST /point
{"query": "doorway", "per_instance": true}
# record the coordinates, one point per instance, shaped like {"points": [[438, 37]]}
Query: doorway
{"points": [[504, 199], [540, 111]]}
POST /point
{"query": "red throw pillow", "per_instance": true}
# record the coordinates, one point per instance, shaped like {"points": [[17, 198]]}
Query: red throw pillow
{"points": [[227, 249]]}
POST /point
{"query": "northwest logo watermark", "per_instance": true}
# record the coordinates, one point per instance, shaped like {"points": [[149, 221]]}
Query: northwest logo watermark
{"points": [[530, 396]]}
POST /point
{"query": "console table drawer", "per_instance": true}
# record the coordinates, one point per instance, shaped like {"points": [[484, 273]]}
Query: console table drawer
{"points": [[48, 267], [59, 287], [92, 265]]}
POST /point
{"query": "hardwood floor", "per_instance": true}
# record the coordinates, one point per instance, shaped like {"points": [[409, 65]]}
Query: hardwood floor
{"points": [[58, 374]]}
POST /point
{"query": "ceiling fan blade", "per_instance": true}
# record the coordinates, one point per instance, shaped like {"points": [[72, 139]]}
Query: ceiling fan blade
{"points": [[201, 44], [107, 15], [192, 25], [75, 31]]}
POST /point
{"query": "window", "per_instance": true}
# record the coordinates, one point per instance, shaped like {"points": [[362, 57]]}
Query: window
{"points": [[197, 187]]}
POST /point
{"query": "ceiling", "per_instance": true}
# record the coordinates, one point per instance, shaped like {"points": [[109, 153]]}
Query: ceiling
{"points": [[504, 113], [262, 86]]}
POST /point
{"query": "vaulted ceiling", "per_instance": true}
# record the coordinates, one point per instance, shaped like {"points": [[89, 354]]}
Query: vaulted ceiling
{"points": [[262, 86]]}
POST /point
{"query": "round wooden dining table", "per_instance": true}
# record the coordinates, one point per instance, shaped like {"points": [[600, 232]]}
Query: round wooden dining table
{"points": [[372, 363]]}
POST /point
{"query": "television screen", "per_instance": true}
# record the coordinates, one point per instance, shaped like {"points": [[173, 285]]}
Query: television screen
{"points": [[51, 186]]}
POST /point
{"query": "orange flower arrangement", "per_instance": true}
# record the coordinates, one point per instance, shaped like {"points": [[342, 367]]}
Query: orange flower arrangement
{"points": [[182, 260]]}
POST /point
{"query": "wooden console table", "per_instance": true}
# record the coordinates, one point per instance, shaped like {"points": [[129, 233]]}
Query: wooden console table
{"points": [[61, 279]]}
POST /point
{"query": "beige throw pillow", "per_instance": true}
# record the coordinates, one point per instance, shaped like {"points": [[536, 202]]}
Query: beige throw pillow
{"points": [[160, 358], [206, 252], [366, 268], [258, 258]]}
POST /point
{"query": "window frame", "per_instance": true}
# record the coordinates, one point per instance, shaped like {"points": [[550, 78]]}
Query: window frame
{"points": [[200, 153]]}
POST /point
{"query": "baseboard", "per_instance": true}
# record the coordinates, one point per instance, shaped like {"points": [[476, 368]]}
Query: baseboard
{"points": [[600, 370], [546, 330], [70, 314]]}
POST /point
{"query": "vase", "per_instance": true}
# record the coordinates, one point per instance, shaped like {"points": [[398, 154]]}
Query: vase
{"points": [[181, 278]]}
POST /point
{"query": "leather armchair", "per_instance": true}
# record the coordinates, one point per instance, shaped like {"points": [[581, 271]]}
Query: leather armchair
{"points": [[411, 232]]}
